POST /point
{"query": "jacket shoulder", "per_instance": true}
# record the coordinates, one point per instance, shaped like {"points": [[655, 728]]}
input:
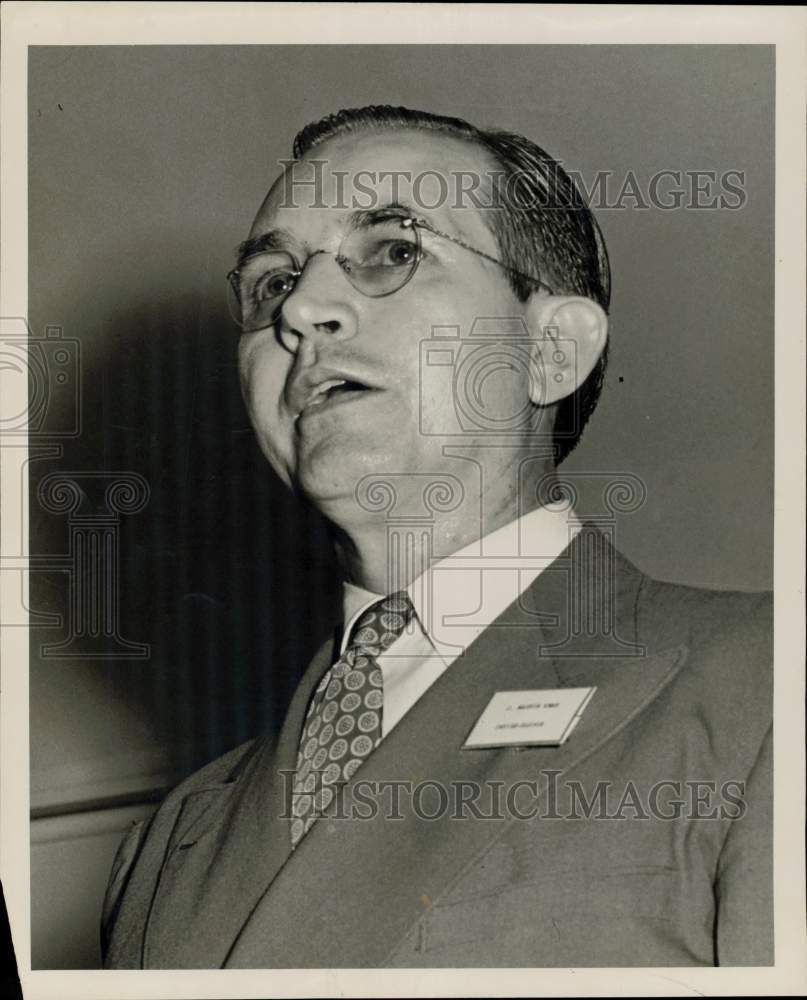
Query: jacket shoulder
{"points": [[219, 771], [145, 841], [727, 679], [703, 617]]}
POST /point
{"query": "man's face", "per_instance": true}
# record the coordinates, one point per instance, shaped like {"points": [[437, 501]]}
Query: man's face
{"points": [[328, 330]]}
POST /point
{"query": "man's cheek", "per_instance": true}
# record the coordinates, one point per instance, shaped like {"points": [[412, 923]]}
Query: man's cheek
{"points": [[261, 384], [279, 452], [436, 416]]}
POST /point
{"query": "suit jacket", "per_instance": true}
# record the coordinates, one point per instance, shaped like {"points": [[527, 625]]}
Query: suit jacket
{"points": [[682, 706]]}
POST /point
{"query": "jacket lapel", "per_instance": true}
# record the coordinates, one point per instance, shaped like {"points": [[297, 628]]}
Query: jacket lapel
{"points": [[355, 887]]}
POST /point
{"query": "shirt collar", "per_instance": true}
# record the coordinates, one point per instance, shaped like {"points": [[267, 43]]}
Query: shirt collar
{"points": [[510, 558]]}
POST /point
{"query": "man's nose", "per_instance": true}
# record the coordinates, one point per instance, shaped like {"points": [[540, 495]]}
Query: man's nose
{"points": [[320, 306]]}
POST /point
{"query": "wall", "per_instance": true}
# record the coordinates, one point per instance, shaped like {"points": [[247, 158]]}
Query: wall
{"points": [[146, 165]]}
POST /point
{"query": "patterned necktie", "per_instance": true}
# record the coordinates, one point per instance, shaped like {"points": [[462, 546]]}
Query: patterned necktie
{"points": [[343, 723]]}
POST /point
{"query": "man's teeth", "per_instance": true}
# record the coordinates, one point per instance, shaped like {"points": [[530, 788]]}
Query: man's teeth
{"points": [[324, 391], [325, 388]]}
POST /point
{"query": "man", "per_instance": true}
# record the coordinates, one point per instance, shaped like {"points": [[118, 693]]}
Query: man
{"points": [[425, 333]]}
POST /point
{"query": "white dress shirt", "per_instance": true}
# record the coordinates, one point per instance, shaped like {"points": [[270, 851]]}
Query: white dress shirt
{"points": [[457, 598]]}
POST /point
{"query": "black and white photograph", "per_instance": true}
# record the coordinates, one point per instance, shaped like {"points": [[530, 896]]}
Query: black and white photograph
{"points": [[403, 515]]}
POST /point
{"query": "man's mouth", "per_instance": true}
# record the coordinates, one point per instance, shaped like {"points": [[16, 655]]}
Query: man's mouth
{"points": [[333, 392]]}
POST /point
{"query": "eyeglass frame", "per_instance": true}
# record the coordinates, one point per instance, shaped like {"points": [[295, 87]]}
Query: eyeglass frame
{"points": [[407, 221]]}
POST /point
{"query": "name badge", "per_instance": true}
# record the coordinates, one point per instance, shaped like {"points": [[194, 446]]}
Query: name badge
{"points": [[529, 718]]}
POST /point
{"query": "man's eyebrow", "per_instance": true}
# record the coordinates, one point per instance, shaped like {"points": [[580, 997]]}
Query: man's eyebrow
{"points": [[275, 239], [282, 239], [368, 216]]}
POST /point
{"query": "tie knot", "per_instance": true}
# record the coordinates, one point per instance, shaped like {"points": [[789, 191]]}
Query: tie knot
{"points": [[381, 624]]}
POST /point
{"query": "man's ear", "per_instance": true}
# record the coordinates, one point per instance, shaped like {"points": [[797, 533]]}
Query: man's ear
{"points": [[569, 335]]}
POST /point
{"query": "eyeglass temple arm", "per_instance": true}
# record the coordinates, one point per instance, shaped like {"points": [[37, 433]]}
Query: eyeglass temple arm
{"points": [[481, 253]]}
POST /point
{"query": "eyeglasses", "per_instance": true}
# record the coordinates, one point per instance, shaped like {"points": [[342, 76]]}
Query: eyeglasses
{"points": [[378, 256]]}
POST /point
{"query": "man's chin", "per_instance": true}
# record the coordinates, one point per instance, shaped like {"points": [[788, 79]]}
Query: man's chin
{"points": [[332, 483]]}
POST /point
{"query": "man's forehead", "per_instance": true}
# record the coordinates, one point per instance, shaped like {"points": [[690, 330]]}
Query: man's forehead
{"points": [[439, 177]]}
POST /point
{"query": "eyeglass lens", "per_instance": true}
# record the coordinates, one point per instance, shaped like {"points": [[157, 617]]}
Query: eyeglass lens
{"points": [[378, 257]]}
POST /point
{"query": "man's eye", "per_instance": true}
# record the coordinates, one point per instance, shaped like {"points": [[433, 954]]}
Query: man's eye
{"points": [[273, 285], [402, 253], [390, 253]]}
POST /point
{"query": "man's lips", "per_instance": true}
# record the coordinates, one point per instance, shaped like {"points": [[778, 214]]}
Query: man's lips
{"points": [[329, 393]]}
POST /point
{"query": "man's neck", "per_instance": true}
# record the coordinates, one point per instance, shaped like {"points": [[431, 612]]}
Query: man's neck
{"points": [[383, 554]]}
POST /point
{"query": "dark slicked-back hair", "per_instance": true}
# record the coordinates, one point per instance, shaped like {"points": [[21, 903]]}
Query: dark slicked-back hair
{"points": [[542, 226]]}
